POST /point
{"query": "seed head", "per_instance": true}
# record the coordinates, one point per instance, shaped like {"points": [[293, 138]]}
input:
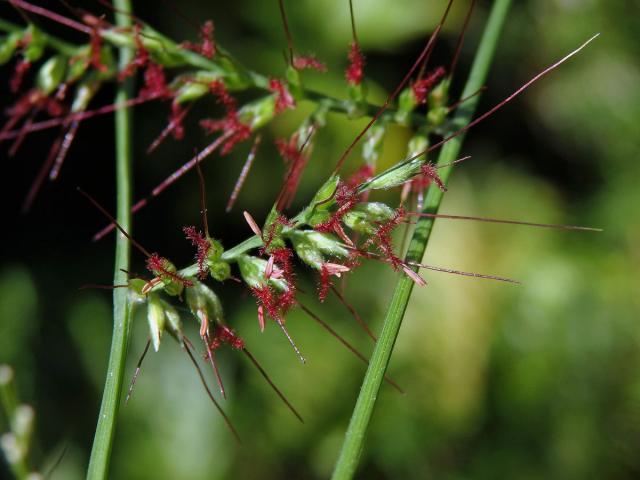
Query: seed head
{"points": [[308, 62], [284, 99], [207, 46], [422, 87], [355, 70]]}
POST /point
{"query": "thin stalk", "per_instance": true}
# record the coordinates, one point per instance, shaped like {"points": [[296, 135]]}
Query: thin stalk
{"points": [[105, 430], [354, 438]]}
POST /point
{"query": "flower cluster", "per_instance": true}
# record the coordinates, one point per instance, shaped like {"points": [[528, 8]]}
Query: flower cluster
{"points": [[333, 234]]}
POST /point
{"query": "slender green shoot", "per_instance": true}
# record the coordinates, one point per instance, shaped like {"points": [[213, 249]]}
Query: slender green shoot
{"points": [[105, 430]]}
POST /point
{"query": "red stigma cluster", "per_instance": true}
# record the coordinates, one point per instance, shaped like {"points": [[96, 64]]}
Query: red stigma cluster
{"points": [[422, 87], [159, 266], [175, 120], [225, 335], [355, 71], [308, 62], [207, 46], [140, 60], [276, 304], [280, 221], [230, 125], [430, 173], [327, 269], [203, 246], [346, 198], [282, 257], [383, 241], [155, 84], [95, 54], [284, 99], [325, 283]]}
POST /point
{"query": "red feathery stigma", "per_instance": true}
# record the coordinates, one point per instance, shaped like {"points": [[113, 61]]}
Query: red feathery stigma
{"points": [[308, 62], [282, 258], [155, 84], [325, 283], [326, 271], [141, 58], [355, 71], [18, 75], [429, 171], [203, 246], [422, 87], [286, 300], [225, 335], [276, 306], [383, 241], [219, 89], [159, 266], [175, 119], [95, 54], [280, 221], [231, 125], [207, 46], [296, 161], [284, 99], [346, 198]]}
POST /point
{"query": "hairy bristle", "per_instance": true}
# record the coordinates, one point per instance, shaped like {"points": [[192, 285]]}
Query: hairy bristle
{"points": [[137, 372], [234, 130], [158, 266], [349, 347], [243, 174], [207, 46], [354, 313], [501, 104], [170, 180], [203, 246], [114, 222], [284, 99], [209, 394], [272, 385], [355, 71]]}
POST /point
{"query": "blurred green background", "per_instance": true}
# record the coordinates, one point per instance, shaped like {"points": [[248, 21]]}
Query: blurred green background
{"points": [[535, 381]]}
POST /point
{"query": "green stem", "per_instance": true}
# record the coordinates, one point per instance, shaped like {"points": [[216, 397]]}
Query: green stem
{"points": [[105, 430], [354, 439]]}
